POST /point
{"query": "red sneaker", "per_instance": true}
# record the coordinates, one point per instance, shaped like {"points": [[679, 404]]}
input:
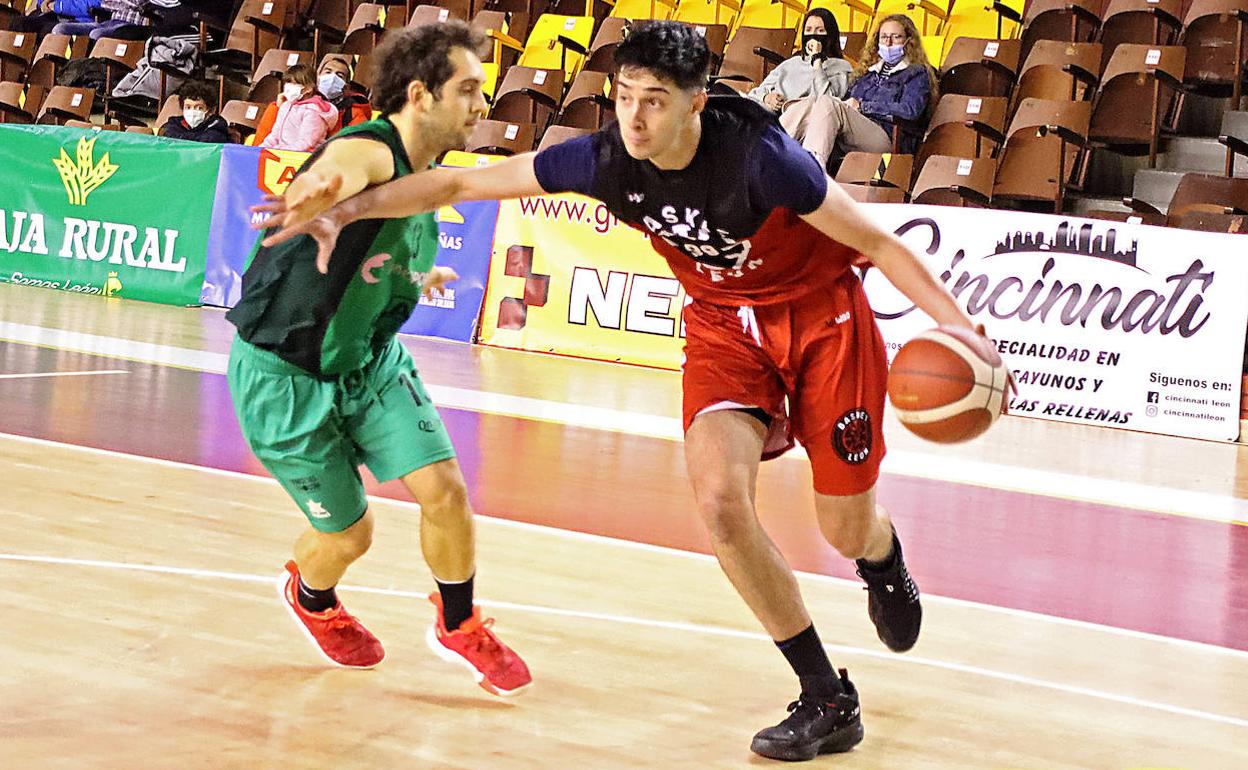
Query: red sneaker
{"points": [[335, 633], [495, 666]]}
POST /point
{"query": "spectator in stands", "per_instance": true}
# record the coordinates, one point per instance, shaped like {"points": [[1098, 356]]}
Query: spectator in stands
{"points": [[127, 20], [304, 118], [44, 16], [893, 82], [197, 123], [819, 70], [333, 80]]}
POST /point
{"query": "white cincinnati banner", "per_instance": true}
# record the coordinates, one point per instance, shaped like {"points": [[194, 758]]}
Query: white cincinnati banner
{"points": [[1102, 323]]}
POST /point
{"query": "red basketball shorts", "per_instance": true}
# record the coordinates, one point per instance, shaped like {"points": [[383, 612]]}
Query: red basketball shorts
{"points": [[821, 353]]}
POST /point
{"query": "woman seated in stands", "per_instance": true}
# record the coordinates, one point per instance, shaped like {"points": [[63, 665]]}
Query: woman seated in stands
{"points": [[818, 70], [304, 118], [892, 81]]}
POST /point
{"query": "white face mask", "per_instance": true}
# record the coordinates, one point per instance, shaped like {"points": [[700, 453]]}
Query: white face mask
{"points": [[194, 117], [292, 91], [331, 85]]}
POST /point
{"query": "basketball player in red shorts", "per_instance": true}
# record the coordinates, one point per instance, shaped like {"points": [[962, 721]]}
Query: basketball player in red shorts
{"points": [[762, 241]]}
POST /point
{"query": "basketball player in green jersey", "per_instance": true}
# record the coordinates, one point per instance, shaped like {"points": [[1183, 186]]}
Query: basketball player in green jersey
{"points": [[321, 384]]}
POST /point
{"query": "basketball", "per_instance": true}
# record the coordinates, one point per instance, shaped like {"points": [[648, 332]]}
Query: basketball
{"points": [[947, 386]]}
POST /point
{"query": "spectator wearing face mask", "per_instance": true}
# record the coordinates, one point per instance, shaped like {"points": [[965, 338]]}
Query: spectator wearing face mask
{"points": [[818, 70], [893, 80], [304, 118], [198, 122], [333, 80]]}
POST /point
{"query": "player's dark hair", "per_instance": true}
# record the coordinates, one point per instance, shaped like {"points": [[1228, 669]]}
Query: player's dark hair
{"points": [[422, 54], [669, 50]]}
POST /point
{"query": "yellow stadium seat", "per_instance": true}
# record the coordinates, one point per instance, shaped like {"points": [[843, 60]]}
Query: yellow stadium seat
{"points": [[644, 9], [976, 18], [928, 15], [934, 47], [851, 15], [708, 11], [544, 50], [771, 14]]}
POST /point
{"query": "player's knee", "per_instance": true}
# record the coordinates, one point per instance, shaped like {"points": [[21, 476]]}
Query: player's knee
{"points": [[726, 512], [448, 504], [354, 541]]}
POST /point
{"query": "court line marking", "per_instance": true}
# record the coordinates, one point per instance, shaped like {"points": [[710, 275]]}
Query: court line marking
{"points": [[37, 375], [569, 534], [696, 628], [1127, 495]]}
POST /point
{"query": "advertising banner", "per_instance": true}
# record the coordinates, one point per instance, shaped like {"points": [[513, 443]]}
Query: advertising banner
{"points": [[248, 173], [1102, 323], [567, 277], [97, 212]]}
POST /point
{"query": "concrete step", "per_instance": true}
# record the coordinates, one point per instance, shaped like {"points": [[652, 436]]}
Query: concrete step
{"points": [[1235, 122], [1155, 186], [1083, 204], [1184, 153]]}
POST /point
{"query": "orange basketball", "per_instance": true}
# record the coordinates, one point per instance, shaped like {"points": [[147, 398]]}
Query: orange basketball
{"points": [[947, 386]]}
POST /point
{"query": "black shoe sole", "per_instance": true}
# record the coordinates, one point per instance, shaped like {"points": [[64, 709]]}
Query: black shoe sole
{"points": [[837, 743]]}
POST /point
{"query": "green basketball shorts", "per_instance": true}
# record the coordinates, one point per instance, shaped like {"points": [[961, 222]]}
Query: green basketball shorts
{"points": [[313, 434]]}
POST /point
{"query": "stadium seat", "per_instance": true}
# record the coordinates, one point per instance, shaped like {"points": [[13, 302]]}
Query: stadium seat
{"points": [[966, 127], [368, 24], [559, 134], [708, 12], [65, 103], [1074, 21], [950, 181], [496, 137], [1057, 69], [587, 104], [424, 15], [1154, 22], [980, 67], [643, 9], [772, 14], [1207, 193], [242, 116], [54, 51], [874, 168], [751, 54], [1211, 33], [20, 103], [1234, 135], [17, 51], [1038, 161], [601, 54], [874, 193], [1120, 120], [528, 94], [558, 43]]}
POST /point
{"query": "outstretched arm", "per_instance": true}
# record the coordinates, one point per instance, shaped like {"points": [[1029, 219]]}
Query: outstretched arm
{"points": [[843, 220], [414, 194]]}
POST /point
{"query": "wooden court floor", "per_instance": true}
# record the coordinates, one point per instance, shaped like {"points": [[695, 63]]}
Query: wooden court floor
{"points": [[139, 549]]}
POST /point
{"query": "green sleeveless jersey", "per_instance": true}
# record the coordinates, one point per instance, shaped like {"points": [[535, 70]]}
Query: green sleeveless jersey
{"points": [[331, 324]]}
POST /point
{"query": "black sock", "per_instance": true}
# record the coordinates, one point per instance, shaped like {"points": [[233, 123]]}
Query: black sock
{"points": [[810, 662], [456, 602], [885, 564], [314, 599]]}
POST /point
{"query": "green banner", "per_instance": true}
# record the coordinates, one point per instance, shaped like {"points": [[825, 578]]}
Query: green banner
{"points": [[106, 213]]}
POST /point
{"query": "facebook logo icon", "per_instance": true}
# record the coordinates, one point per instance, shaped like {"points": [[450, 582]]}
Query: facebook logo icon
{"points": [[1153, 397]]}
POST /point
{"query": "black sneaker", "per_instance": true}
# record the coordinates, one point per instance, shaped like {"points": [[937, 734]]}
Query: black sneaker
{"points": [[893, 601], [814, 726]]}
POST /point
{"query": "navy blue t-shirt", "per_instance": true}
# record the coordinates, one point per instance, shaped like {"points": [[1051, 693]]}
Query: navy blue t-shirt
{"points": [[728, 223]]}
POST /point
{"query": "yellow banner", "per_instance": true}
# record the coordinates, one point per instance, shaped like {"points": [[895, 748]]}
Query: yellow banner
{"points": [[567, 277]]}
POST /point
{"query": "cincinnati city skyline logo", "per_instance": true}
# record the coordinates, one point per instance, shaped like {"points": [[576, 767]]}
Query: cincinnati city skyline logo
{"points": [[1069, 240]]}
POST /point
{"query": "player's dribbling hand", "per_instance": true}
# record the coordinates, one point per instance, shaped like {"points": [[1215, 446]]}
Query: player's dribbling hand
{"points": [[438, 277]]}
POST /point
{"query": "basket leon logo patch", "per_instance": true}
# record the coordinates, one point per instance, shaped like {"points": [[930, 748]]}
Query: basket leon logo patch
{"points": [[852, 436]]}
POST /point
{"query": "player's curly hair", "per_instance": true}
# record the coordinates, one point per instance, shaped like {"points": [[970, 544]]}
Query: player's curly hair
{"points": [[668, 49], [422, 54]]}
